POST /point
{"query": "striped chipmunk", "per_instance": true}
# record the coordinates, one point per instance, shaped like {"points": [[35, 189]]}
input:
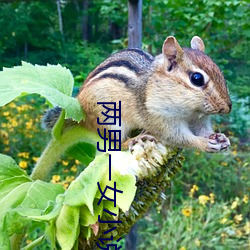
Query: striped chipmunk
{"points": [[169, 97]]}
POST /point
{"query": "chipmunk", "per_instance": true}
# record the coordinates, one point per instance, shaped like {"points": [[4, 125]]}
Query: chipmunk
{"points": [[170, 96]]}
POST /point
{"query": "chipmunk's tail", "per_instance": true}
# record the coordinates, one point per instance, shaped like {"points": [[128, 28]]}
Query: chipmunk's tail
{"points": [[50, 117]]}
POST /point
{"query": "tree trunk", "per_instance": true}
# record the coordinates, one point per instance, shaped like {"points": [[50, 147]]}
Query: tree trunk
{"points": [[59, 16], [135, 23], [131, 238], [85, 23]]}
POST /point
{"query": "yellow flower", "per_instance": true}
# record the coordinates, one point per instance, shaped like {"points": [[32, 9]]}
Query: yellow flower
{"points": [[65, 163], [70, 178], [24, 154], [187, 211], [197, 242], [4, 134], [247, 227], [23, 164], [6, 141], [55, 178], [223, 235], [211, 195], [224, 164], [238, 159], [14, 123], [6, 149], [23, 107], [73, 168], [238, 218], [193, 190], [238, 233], [12, 105], [29, 124], [35, 159], [235, 203], [245, 199], [183, 248], [77, 162], [203, 199], [223, 220], [6, 113], [234, 152]]}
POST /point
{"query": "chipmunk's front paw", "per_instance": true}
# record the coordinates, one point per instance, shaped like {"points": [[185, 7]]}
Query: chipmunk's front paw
{"points": [[218, 142], [141, 139]]}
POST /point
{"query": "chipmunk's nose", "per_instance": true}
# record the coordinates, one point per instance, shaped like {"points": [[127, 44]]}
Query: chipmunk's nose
{"points": [[227, 108]]}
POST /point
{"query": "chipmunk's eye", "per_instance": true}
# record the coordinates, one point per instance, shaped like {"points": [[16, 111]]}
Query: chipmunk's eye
{"points": [[197, 79]]}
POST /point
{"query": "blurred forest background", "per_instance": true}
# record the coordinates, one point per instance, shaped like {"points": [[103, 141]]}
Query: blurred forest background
{"points": [[208, 204]]}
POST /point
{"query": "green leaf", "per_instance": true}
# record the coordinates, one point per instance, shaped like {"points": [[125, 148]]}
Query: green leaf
{"points": [[67, 226], [9, 168], [7, 220], [110, 206], [51, 215], [86, 218], [53, 82], [26, 202], [6, 186], [14, 198], [125, 183], [20, 197], [83, 189], [39, 194], [83, 152], [86, 232], [58, 127], [14, 223], [4, 240], [50, 234]]}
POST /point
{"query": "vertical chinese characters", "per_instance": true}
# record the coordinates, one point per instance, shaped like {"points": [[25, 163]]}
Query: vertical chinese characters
{"points": [[111, 117]]}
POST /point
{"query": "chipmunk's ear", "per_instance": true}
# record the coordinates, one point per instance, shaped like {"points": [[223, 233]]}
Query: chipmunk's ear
{"points": [[197, 43], [171, 49]]}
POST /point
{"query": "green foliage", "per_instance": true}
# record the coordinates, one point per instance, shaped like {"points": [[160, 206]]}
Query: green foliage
{"points": [[201, 223], [238, 122], [207, 207], [52, 82], [19, 198], [81, 58]]}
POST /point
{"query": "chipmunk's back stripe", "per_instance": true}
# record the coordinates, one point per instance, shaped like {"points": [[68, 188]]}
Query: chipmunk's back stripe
{"points": [[142, 53], [118, 77], [118, 63]]}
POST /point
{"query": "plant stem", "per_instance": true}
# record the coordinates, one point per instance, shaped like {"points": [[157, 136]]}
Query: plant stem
{"points": [[16, 240], [57, 147]]}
